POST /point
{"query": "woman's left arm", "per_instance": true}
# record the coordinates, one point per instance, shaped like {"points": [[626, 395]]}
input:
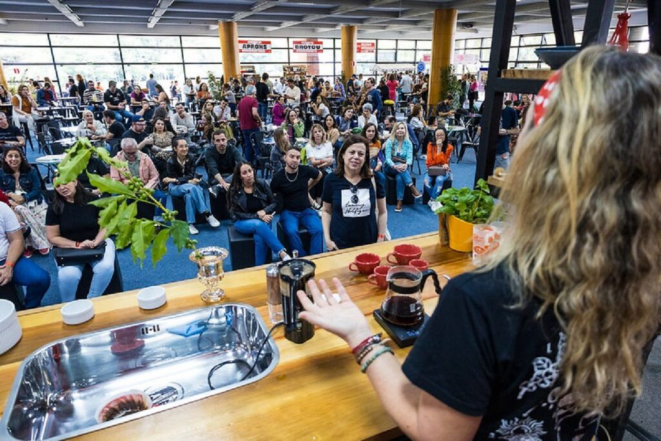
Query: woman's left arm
{"points": [[382, 220], [35, 190], [409, 153], [100, 237], [270, 200]]}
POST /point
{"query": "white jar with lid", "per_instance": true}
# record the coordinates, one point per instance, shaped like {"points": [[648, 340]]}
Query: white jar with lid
{"points": [[10, 328]]}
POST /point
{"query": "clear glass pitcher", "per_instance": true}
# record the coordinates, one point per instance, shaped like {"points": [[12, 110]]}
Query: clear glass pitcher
{"points": [[403, 303]]}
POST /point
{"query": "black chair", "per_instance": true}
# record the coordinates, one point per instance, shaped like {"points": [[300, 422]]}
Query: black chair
{"points": [[242, 249], [263, 153], [425, 196], [116, 283], [302, 232], [391, 192]]}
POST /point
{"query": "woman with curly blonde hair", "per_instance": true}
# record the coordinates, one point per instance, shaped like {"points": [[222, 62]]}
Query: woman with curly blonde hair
{"points": [[550, 335]]}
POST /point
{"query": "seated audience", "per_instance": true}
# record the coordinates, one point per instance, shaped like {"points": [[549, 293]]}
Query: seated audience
{"points": [[291, 186], [91, 128], [367, 116], [439, 153], [71, 222], [189, 91], [320, 107], [332, 132], [114, 129], [15, 268], [252, 207], [137, 132], [278, 111], [93, 98], [183, 122], [417, 117], [146, 111], [203, 93], [209, 120], [221, 161], [182, 181], [10, 135], [46, 96], [351, 197], [160, 94], [293, 126], [319, 154], [20, 182], [228, 94], [162, 140], [376, 158], [292, 93], [116, 101], [399, 157], [138, 96]]}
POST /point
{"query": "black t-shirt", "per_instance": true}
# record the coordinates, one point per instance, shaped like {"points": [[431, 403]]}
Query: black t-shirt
{"points": [[253, 204], [353, 220], [483, 357], [139, 137], [10, 134], [294, 194], [262, 92], [96, 166], [117, 129], [77, 222], [113, 98]]}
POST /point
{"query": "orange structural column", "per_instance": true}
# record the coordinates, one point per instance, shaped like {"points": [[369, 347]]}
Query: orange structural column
{"points": [[349, 35], [3, 79], [442, 49], [229, 46]]}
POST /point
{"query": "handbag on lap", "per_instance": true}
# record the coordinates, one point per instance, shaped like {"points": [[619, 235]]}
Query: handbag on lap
{"points": [[76, 256]]}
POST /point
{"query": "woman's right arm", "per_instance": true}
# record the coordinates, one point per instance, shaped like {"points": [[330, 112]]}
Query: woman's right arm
{"points": [[388, 149], [326, 213], [53, 235]]}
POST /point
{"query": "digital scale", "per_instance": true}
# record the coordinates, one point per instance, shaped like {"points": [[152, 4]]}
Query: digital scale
{"points": [[404, 336]]}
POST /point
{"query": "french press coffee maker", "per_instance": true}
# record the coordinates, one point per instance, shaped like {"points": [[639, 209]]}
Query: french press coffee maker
{"points": [[294, 276]]}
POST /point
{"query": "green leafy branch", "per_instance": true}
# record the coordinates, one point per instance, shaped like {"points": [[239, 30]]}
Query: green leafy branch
{"points": [[473, 206], [118, 212]]}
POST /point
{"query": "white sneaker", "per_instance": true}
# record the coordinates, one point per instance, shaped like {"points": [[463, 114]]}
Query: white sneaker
{"points": [[435, 206], [213, 221], [192, 230], [430, 202]]}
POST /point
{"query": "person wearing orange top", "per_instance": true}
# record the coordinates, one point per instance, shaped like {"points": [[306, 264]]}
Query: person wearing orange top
{"points": [[438, 171]]}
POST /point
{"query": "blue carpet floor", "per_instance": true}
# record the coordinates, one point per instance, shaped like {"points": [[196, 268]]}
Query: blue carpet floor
{"points": [[414, 219]]}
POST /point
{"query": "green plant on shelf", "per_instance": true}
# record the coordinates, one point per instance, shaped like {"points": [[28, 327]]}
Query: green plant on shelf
{"points": [[450, 84], [472, 206], [118, 212]]}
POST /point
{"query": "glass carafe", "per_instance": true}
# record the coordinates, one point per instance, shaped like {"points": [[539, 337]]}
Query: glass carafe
{"points": [[403, 303]]}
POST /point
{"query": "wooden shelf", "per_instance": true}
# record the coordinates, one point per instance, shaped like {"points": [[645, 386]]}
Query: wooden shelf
{"points": [[528, 74]]}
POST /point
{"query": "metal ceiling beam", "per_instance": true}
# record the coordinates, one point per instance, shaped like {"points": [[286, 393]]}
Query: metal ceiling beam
{"points": [[67, 12], [115, 4], [335, 11], [163, 6], [257, 7]]}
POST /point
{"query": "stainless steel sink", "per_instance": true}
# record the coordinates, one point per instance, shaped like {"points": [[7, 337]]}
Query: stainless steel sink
{"points": [[60, 388]]}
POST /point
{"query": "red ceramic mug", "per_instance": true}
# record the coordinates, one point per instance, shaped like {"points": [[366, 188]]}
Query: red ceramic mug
{"points": [[378, 278], [365, 263], [420, 264], [404, 253]]}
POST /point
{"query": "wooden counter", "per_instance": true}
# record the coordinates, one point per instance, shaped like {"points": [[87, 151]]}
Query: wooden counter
{"points": [[316, 392]]}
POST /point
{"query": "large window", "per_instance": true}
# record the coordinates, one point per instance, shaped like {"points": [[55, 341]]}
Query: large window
{"points": [[173, 58]]}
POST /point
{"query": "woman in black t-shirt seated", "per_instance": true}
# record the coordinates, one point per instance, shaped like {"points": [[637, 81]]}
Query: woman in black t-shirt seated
{"points": [[351, 196], [252, 207], [72, 223], [551, 334]]}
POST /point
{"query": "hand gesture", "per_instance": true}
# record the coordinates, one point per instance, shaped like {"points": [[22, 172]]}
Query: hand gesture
{"points": [[331, 245], [342, 318], [225, 185], [87, 244], [267, 218], [6, 274]]}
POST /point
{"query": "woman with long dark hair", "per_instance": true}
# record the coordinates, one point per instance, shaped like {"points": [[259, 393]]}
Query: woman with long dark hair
{"points": [[438, 171], [252, 207], [376, 159], [22, 185], [71, 222], [279, 149], [550, 335], [293, 126], [350, 200], [332, 132]]}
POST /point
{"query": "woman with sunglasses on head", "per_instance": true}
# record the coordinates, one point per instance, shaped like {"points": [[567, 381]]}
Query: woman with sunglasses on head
{"points": [[350, 199], [371, 134], [438, 171], [319, 154], [551, 334], [252, 207]]}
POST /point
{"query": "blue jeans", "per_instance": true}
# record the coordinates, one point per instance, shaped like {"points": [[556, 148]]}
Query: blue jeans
{"points": [[249, 151], [502, 162], [196, 198], [262, 109], [403, 180], [35, 279], [121, 114], [434, 184], [380, 178], [69, 276], [161, 197], [264, 237], [290, 222]]}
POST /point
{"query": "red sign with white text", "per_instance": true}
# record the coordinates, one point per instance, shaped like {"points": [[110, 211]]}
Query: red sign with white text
{"points": [[255, 46], [366, 48], [426, 58], [308, 47]]}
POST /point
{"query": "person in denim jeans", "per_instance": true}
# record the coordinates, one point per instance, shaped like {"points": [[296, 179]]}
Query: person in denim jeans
{"points": [[249, 121], [377, 159], [252, 207], [180, 176], [399, 157], [438, 155], [17, 269], [292, 185]]}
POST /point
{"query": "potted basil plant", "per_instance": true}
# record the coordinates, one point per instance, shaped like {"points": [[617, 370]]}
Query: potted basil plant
{"points": [[465, 207]]}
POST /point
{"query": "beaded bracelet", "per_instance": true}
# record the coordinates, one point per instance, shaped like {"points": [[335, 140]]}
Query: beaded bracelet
{"points": [[376, 338], [367, 349], [378, 353]]}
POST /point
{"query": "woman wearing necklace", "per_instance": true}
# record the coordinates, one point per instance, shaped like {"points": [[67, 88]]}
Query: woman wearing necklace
{"points": [[320, 156], [399, 157], [350, 198], [252, 207], [182, 182]]}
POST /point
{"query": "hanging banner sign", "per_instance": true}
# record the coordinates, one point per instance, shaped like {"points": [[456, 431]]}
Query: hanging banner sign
{"points": [[255, 46], [366, 48], [426, 58], [17, 70], [465, 59], [308, 47]]}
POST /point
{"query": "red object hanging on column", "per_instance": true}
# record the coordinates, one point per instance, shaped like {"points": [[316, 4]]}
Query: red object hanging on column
{"points": [[620, 36]]}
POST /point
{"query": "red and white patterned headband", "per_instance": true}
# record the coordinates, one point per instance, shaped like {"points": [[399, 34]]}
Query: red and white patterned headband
{"points": [[544, 97]]}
